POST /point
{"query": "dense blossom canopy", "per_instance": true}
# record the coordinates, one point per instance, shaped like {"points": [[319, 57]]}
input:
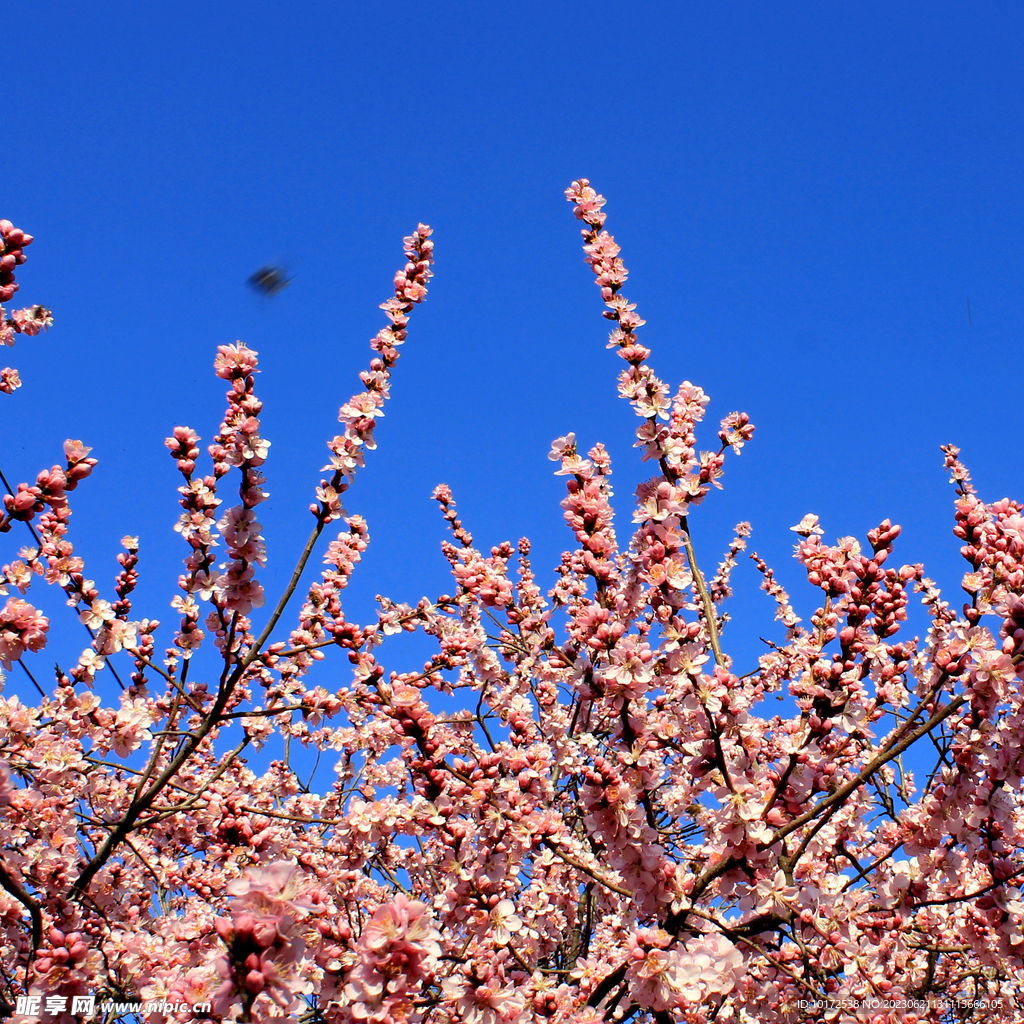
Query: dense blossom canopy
{"points": [[613, 827]]}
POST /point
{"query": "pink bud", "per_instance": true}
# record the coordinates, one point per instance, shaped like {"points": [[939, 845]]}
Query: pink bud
{"points": [[254, 982], [244, 924]]}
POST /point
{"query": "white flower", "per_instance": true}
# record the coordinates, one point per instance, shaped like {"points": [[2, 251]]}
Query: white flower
{"points": [[504, 922], [97, 613], [561, 447], [807, 526]]}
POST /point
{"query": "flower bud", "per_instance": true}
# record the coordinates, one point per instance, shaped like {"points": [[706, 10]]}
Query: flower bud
{"points": [[255, 982]]}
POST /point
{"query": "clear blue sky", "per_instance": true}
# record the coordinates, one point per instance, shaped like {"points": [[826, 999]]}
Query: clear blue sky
{"points": [[806, 195]]}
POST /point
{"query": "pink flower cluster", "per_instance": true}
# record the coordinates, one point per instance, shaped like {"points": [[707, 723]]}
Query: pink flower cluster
{"points": [[664, 977], [30, 320], [22, 628], [264, 940], [588, 508], [12, 254], [49, 489], [239, 444], [397, 952]]}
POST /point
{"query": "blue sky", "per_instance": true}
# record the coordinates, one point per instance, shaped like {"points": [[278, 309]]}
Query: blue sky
{"points": [[807, 196]]}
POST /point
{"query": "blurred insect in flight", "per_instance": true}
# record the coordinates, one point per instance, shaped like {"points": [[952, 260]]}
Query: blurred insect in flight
{"points": [[269, 280]]}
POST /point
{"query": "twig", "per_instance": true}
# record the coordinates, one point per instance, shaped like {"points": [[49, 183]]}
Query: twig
{"points": [[590, 872]]}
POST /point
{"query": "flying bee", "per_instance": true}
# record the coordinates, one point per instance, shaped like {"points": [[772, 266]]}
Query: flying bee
{"points": [[270, 280]]}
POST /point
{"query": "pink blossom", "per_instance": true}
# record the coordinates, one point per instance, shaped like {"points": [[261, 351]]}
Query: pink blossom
{"points": [[504, 922], [31, 320], [235, 362], [22, 628], [808, 526], [6, 786], [131, 727], [397, 951]]}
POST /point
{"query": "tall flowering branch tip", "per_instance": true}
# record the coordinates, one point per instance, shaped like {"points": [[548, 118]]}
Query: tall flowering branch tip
{"points": [[235, 362], [361, 411], [587, 203], [959, 473]]}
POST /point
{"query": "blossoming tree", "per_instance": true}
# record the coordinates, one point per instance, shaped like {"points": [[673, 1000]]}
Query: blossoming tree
{"points": [[612, 827]]}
